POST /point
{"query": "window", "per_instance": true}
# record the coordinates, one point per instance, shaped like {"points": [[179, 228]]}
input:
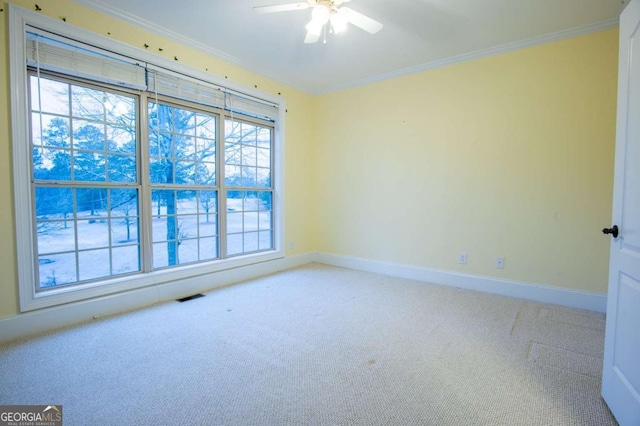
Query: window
{"points": [[248, 180], [134, 174], [84, 182], [182, 172]]}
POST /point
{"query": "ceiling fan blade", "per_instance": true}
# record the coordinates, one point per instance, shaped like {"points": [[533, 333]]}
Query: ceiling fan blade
{"points": [[359, 20], [339, 2], [311, 38], [282, 7]]}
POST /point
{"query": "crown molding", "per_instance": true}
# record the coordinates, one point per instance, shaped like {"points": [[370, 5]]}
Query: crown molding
{"points": [[179, 38], [465, 57]]}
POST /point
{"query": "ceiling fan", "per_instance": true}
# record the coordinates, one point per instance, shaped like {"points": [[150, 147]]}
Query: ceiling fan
{"points": [[326, 15]]}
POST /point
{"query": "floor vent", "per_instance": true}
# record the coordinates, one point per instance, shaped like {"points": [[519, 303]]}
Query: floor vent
{"points": [[193, 296]]}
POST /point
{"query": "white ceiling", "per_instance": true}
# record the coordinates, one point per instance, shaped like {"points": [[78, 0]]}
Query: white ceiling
{"points": [[417, 34]]}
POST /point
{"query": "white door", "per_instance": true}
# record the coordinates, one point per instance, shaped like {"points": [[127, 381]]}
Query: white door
{"points": [[621, 373]]}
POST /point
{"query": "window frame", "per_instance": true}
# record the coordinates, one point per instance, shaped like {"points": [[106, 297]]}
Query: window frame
{"points": [[76, 185], [26, 252]]}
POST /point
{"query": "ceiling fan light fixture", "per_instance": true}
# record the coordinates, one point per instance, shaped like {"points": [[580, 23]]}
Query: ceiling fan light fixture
{"points": [[314, 27], [327, 16], [339, 21], [320, 14]]}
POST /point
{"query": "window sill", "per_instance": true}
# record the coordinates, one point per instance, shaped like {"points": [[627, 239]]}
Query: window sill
{"points": [[63, 295]]}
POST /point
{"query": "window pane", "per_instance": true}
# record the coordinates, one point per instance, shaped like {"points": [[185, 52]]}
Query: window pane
{"points": [[265, 200], [250, 242], [265, 240], [233, 154], [54, 203], [176, 155], [187, 227], [124, 230], [264, 157], [162, 197], [87, 103], [123, 202], [161, 170], [124, 219], [187, 202], [125, 259], [207, 225], [265, 220], [120, 109], [206, 173], [205, 126], [188, 251], [91, 203], [54, 95], [248, 215], [250, 221], [264, 178], [234, 244], [248, 134], [249, 155], [231, 131], [206, 149], [121, 139], [249, 176], [94, 264], [159, 229], [57, 269], [88, 135], [187, 147], [264, 138], [165, 254], [208, 248], [56, 236], [234, 222], [93, 234], [122, 168], [250, 202], [55, 131], [232, 175], [51, 164], [185, 172], [89, 166], [208, 201]]}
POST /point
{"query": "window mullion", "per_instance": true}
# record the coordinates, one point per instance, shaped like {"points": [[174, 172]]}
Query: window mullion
{"points": [[145, 214], [222, 193]]}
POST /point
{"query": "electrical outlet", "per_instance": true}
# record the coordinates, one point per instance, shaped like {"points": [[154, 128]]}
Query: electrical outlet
{"points": [[292, 245], [499, 262], [462, 258]]}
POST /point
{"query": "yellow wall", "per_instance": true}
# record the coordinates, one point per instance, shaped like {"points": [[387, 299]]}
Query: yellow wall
{"points": [[509, 155], [299, 130]]}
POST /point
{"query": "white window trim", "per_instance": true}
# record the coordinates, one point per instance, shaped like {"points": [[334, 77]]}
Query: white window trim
{"points": [[19, 18]]}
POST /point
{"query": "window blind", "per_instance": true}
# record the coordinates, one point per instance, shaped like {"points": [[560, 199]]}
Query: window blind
{"points": [[165, 82], [180, 86], [48, 52], [59, 54]]}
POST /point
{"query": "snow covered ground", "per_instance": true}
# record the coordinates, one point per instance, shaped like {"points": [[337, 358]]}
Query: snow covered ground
{"points": [[103, 248]]}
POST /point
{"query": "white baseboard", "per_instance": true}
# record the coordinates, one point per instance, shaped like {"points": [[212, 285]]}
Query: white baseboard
{"points": [[536, 292], [43, 320], [47, 319]]}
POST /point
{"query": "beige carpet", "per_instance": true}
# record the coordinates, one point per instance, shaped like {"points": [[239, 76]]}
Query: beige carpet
{"points": [[319, 345]]}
